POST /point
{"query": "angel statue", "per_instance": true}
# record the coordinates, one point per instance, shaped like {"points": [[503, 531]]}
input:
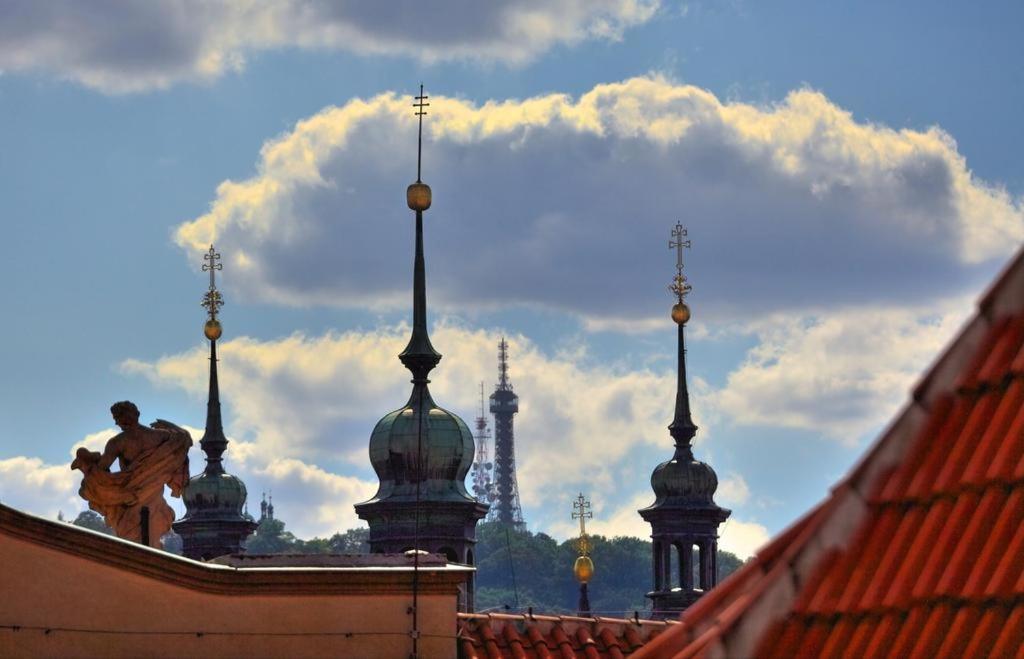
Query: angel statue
{"points": [[149, 458]]}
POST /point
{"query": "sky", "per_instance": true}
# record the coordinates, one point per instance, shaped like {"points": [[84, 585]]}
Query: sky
{"points": [[849, 175]]}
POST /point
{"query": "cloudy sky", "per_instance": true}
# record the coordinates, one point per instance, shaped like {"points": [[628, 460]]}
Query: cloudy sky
{"points": [[849, 174]]}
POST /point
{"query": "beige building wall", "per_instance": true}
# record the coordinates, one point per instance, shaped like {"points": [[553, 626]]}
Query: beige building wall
{"points": [[180, 608]]}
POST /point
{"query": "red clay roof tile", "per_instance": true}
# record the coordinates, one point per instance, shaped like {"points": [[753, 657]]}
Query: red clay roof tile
{"points": [[889, 561], [983, 637], [1010, 404], [995, 547], [1008, 571], [965, 620], [545, 637], [874, 636], [949, 538], [966, 442], [1010, 642]]}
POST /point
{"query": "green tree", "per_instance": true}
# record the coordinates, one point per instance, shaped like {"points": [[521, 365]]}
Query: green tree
{"points": [[544, 577], [92, 520], [271, 538]]}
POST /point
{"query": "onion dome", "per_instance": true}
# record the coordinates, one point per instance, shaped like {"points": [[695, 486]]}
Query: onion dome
{"points": [[215, 494], [684, 480], [447, 451]]}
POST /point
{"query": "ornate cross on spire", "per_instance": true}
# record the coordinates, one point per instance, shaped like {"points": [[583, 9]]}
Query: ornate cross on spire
{"points": [[419, 105], [679, 285], [212, 300], [581, 511]]}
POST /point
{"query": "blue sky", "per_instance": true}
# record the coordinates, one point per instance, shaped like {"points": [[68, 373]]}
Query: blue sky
{"points": [[849, 173]]}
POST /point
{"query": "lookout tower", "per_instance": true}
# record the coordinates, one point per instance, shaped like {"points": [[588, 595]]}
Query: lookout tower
{"points": [[504, 405]]}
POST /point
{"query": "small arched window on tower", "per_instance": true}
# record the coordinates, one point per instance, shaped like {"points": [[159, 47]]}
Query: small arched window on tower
{"points": [[672, 579], [696, 568], [449, 554]]}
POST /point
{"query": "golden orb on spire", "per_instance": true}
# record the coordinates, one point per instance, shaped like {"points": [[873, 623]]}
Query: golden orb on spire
{"points": [[583, 569], [418, 196], [680, 313], [212, 329]]}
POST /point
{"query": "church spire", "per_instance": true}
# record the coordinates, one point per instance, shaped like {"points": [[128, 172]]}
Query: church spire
{"points": [[214, 523], [682, 428], [213, 443], [419, 355]]}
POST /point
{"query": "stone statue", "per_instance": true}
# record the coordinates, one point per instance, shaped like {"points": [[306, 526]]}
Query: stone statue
{"points": [[149, 458]]}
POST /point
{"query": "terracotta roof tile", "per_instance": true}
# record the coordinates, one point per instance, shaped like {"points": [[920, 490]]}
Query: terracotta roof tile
{"points": [[919, 552], [995, 547], [950, 536], [1006, 577], [893, 556], [874, 637], [838, 639], [935, 628], [500, 635], [965, 620], [1010, 642], [1010, 405], [980, 643], [965, 443]]}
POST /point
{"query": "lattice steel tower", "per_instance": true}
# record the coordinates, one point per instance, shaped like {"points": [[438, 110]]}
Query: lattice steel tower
{"points": [[504, 404], [483, 485]]}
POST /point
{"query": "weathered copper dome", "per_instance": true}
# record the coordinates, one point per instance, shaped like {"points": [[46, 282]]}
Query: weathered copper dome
{"points": [[209, 493], [684, 479], [447, 445]]}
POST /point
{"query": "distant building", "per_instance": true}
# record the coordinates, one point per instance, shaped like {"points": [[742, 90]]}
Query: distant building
{"points": [[266, 508]]}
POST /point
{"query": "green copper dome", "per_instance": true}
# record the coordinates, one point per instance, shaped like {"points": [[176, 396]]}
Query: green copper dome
{"points": [[447, 445], [212, 495], [684, 479]]}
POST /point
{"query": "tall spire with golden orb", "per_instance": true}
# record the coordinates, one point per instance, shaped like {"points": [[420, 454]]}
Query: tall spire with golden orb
{"points": [[684, 517], [214, 522], [420, 452]]}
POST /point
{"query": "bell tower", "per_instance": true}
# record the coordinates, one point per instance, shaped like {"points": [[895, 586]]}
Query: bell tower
{"points": [[421, 452], [684, 517], [214, 524]]}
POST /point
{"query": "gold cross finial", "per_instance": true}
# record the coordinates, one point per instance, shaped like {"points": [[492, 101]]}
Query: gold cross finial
{"points": [[680, 287], [419, 105], [212, 300], [581, 511]]}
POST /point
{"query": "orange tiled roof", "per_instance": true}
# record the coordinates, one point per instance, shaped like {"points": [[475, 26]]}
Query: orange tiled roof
{"points": [[527, 636], [919, 552]]}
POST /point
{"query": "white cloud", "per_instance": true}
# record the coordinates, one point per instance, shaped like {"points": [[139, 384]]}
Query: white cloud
{"points": [[135, 46], [311, 500], [839, 373], [742, 538], [564, 204], [28, 483], [732, 490]]}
